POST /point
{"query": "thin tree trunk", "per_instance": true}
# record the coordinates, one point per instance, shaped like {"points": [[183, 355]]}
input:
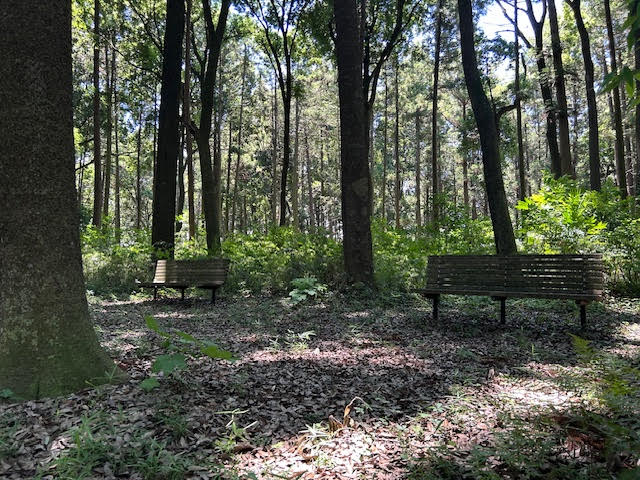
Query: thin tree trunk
{"points": [[245, 61], [106, 184], [312, 209], [385, 139], [355, 177], [435, 176], [489, 137], [545, 89], [295, 188], [520, 166], [139, 172], [227, 190], [465, 156], [637, 109], [418, 169], [274, 163], [561, 92], [592, 107], [396, 146], [117, 213], [617, 110], [186, 109], [97, 161]]}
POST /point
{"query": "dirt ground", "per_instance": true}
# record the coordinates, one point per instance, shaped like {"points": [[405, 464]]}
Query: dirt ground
{"points": [[417, 392]]}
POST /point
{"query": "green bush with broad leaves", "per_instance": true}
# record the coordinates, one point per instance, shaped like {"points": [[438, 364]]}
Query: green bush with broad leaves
{"points": [[304, 288]]}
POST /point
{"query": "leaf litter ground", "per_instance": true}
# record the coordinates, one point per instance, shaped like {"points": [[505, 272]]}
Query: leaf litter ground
{"points": [[417, 392]]}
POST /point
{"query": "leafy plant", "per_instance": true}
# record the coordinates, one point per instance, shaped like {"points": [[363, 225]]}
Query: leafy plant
{"points": [[179, 344], [305, 287]]}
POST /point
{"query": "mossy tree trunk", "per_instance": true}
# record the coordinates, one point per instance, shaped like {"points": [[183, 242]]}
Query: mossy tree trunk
{"points": [[47, 344]]}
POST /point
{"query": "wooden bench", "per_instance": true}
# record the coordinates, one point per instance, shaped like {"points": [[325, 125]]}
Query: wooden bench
{"points": [[182, 274], [567, 277]]}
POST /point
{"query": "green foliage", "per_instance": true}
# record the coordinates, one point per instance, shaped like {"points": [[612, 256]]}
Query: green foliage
{"points": [[305, 287], [400, 256], [271, 262], [179, 344], [112, 268], [566, 218]]}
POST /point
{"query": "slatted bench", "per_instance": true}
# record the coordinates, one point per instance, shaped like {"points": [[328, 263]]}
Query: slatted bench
{"points": [[566, 277], [182, 274]]}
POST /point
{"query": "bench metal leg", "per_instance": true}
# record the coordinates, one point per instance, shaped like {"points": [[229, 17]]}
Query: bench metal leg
{"points": [[436, 304], [583, 314], [155, 293], [213, 295], [182, 294], [503, 309]]}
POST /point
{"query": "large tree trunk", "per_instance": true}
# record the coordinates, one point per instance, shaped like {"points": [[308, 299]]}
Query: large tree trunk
{"points": [[97, 160], [164, 194], [592, 107], [286, 147], [489, 137], [561, 93], [47, 344], [545, 89], [621, 174], [396, 146], [435, 170], [355, 179]]}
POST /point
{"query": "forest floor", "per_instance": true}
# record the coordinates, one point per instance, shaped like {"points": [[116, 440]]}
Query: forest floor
{"points": [[465, 398]]}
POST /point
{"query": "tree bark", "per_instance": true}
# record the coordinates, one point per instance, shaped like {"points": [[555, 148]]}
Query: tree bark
{"points": [[245, 61], [545, 88], [139, 171], [274, 161], [592, 107], [312, 207], [110, 68], [295, 180], [396, 146], [210, 182], [164, 194], [465, 156], [561, 92], [355, 179], [97, 160], [385, 140], [489, 137], [520, 166], [621, 174], [47, 344], [435, 171], [186, 110], [637, 109], [117, 213], [418, 168]]}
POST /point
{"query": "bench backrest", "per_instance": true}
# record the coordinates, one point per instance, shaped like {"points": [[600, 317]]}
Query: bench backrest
{"points": [[571, 275], [192, 272]]}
